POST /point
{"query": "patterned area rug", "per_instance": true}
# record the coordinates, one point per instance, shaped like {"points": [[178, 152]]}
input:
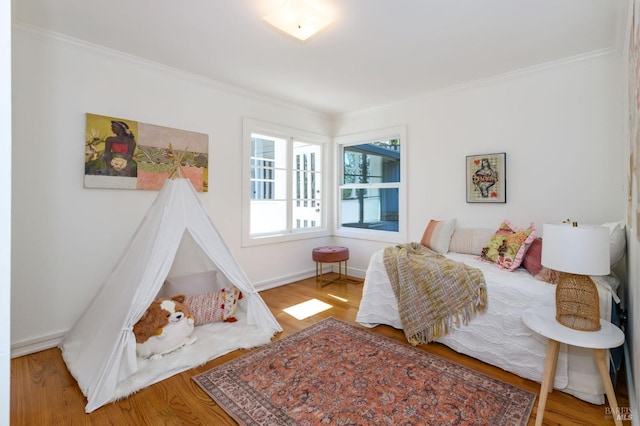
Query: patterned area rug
{"points": [[336, 373]]}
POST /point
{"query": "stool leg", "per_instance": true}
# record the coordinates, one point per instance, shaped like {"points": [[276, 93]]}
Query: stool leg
{"points": [[318, 274], [346, 272]]}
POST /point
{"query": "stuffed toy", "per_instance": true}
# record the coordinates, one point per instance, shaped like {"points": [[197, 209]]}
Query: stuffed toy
{"points": [[166, 325]]}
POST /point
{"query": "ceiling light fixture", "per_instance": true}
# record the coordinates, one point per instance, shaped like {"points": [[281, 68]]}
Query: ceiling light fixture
{"points": [[300, 18]]}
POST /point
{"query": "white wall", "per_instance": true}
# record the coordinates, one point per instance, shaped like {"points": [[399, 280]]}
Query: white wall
{"points": [[5, 207], [66, 239], [561, 128]]}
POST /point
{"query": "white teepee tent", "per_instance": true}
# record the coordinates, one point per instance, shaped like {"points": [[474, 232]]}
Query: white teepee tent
{"points": [[100, 350]]}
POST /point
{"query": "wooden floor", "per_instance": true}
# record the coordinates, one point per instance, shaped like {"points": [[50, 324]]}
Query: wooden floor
{"points": [[44, 393]]}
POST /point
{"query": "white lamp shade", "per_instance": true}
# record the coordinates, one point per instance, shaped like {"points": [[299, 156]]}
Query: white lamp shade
{"points": [[582, 249]]}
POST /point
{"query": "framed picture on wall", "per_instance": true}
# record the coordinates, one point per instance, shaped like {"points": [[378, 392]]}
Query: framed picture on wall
{"points": [[486, 178], [127, 154]]}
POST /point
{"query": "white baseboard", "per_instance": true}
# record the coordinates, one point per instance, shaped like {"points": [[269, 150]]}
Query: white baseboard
{"points": [[30, 346], [288, 279], [283, 280]]}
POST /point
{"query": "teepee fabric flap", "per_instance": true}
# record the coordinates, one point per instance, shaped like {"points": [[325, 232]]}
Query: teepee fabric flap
{"points": [[100, 349]]}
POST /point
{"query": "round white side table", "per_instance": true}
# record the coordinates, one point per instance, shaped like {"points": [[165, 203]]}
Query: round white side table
{"points": [[542, 320]]}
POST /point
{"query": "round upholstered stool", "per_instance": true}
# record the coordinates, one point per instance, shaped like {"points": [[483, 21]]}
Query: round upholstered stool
{"points": [[329, 254]]}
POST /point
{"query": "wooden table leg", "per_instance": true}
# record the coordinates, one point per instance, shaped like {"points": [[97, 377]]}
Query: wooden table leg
{"points": [[547, 378], [601, 360]]}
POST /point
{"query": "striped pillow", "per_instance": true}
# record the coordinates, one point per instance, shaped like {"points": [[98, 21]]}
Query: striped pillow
{"points": [[470, 240], [437, 236]]}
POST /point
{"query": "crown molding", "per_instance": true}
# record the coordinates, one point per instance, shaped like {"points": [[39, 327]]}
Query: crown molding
{"points": [[64, 39]]}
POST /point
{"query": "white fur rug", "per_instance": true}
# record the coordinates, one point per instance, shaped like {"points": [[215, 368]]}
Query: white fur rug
{"points": [[214, 340]]}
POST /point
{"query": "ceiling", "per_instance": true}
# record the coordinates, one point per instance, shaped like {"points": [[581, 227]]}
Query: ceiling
{"points": [[377, 52]]}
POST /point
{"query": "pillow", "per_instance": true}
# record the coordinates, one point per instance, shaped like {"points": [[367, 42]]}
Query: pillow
{"points": [[215, 306], [532, 261], [437, 236], [469, 240], [550, 276], [508, 245], [190, 285], [617, 241]]}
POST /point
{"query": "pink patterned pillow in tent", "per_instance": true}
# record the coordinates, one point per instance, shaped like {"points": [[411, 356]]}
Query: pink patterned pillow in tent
{"points": [[215, 306]]}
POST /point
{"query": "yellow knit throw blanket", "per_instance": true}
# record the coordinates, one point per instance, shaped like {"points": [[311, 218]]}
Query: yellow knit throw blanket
{"points": [[434, 293]]}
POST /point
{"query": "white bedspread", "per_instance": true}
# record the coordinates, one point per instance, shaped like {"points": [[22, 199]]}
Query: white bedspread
{"points": [[499, 337]]}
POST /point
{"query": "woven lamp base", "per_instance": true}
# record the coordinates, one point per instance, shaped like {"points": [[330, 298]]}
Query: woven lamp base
{"points": [[577, 302]]}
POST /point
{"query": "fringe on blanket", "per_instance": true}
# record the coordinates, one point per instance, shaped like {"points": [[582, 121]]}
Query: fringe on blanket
{"points": [[434, 293], [441, 328]]}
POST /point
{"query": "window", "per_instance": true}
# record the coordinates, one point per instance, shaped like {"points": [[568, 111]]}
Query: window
{"points": [[371, 185], [285, 175]]}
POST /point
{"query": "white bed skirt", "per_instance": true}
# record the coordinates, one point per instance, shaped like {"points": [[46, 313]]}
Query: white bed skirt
{"points": [[498, 336]]}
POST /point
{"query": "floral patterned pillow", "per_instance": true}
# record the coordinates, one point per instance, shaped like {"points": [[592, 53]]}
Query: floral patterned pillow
{"points": [[507, 246], [215, 306]]}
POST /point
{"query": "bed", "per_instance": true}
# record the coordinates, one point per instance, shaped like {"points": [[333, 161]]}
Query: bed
{"points": [[498, 336]]}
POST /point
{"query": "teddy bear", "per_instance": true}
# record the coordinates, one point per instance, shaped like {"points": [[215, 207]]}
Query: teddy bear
{"points": [[166, 325]]}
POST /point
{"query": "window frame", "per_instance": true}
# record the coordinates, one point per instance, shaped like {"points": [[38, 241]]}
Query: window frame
{"points": [[398, 132], [291, 135]]}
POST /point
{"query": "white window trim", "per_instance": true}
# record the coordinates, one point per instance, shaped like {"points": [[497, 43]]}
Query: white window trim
{"points": [[250, 126], [399, 132]]}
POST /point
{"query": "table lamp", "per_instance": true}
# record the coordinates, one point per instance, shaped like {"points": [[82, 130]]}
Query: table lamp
{"points": [[576, 251]]}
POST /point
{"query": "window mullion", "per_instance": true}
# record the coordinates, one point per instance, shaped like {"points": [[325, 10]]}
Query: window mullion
{"points": [[370, 185], [290, 166]]}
